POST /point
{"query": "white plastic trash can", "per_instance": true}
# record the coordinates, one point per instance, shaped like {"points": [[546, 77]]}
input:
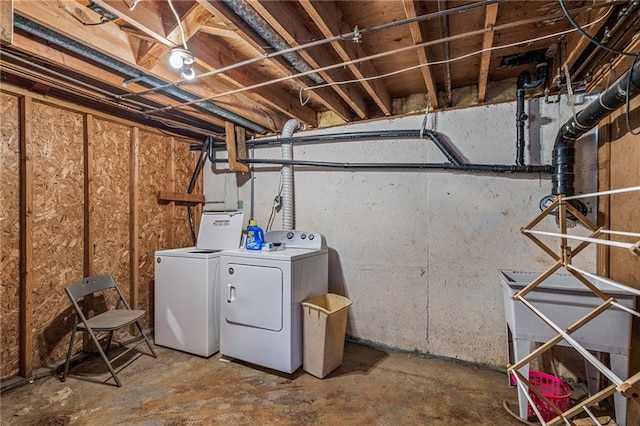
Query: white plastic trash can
{"points": [[325, 326]]}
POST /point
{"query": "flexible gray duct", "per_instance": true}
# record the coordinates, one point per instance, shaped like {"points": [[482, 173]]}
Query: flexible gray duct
{"points": [[60, 40], [287, 174]]}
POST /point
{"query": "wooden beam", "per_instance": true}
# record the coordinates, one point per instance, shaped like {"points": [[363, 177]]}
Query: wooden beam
{"points": [[6, 22], [116, 44], [191, 21], [232, 150], [576, 43], [89, 191], [491, 15], [26, 238], [171, 158], [88, 196], [272, 96], [180, 197], [284, 19], [48, 100], [211, 58], [416, 34], [330, 21], [145, 17], [134, 229], [323, 96]]}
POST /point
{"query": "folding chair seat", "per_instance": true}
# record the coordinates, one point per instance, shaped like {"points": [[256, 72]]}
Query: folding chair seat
{"points": [[108, 321]]}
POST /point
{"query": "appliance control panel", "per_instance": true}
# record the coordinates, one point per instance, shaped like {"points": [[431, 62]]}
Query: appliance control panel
{"points": [[296, 239]]}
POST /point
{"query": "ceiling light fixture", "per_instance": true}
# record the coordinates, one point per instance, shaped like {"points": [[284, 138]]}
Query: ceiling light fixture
{"points": [[181, 58]]}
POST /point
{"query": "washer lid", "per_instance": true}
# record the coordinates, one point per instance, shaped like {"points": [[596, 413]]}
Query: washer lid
{"points": [[220, 230]]}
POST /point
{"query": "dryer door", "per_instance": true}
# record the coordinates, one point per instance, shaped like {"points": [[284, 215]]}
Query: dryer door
{"points": [[253, 296]]}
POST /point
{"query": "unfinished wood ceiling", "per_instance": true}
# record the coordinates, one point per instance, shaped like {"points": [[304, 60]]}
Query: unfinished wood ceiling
{"points": [[260, 63]]}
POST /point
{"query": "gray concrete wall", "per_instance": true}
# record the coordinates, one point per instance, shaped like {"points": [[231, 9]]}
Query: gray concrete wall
{"points": [[417, 252]]}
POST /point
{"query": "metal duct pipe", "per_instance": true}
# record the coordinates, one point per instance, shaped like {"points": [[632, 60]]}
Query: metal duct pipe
{"points": [[60, 40], [287, 174], [524, 83], [627, 87], [249, 15]]}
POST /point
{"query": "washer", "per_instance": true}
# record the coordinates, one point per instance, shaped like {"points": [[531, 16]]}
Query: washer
{"points": [[261, 292], [187, 306]]}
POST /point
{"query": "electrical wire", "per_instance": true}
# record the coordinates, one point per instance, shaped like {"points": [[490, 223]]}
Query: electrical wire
{"points": [[363, 59], [277, 201], [628, 103], [457, 58], [173, 9], [591, 39]]}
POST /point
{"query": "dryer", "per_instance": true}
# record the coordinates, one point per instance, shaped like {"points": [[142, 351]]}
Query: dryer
{"points": [[186, 299], [261, 295]]}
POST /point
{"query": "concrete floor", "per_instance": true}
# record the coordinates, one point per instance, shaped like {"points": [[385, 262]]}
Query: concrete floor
{"points": [[371, 387]]}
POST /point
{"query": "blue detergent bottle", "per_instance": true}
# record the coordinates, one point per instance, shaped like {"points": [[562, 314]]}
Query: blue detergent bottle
{"points": [[255, 236]]}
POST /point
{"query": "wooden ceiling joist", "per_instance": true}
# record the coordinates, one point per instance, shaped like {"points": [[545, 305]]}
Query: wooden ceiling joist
{"points": [[323, 96], [491, 15], [290, 26], [416, 34], [116, 44], [210, 59], [192, 21], [329, 20]]}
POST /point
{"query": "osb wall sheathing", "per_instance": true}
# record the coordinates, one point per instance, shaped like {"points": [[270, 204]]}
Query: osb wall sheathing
{"points": [[185, 161], [109, 196], [58, 225], [624, 213], [10, 237], [153, 216]]}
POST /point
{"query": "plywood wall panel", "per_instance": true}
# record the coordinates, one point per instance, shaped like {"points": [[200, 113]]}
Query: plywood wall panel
{"points": [[10, 236], [624, 214], [153, 216], [185, 163], [110, 196], [58, 221]]}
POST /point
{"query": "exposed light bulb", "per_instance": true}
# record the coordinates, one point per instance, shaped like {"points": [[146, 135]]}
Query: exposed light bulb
{"points": [[187, 72], [179, 57]]}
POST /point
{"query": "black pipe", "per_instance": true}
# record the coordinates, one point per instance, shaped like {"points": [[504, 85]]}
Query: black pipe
{"points": [[485, 168], [192, 183], [524, 83], [436, 138], [627, 87]]}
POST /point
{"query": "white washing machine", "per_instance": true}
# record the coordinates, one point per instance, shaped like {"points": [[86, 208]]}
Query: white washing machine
{"points": [[187, 304], [261, 292]]}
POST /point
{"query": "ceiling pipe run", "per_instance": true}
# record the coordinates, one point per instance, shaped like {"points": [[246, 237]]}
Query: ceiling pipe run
{"points": [[129, 71], [625, 88], [446, 51], [249, 15], [456, 163], [524, 83]]}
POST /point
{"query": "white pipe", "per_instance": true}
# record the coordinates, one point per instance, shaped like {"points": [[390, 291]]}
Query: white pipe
{"points": [[287, 174]]}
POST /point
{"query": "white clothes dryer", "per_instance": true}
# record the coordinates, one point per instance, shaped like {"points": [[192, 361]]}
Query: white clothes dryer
{"points": [[261, 295], [187, 304]]}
